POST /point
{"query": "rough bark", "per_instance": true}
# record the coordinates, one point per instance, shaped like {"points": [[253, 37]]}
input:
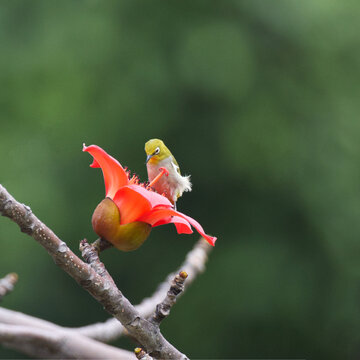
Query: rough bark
{"points": [[110, 297], [194, 265]]}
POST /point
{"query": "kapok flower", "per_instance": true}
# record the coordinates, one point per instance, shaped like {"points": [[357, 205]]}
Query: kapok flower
{"points": [[130, 209]]}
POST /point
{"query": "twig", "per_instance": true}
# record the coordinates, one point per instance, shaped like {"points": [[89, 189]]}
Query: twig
{"points": [[145, 332], [163, 309], [7, 284], [112, 329], [194, 264], [57, 344], [90, 254], [141, 354], [101, 244]]}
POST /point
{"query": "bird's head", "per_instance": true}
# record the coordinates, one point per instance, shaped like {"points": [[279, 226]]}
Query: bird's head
{"points": [[156, 151]]}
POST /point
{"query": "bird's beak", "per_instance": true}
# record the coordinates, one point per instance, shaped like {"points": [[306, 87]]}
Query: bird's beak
{"points": [[148, 158]]}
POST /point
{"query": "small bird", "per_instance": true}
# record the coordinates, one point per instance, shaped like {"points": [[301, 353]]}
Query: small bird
{"points": [[159, 162]]}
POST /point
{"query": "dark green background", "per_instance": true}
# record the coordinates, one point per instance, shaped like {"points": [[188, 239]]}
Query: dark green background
{"points": [[259, 102]]}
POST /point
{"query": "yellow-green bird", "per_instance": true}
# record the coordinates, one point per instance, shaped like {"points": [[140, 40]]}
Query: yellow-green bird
{"points": [[159, 157]]}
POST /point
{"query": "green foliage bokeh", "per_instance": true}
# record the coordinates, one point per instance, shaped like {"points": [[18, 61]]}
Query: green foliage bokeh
{"points": [[259, 102]]}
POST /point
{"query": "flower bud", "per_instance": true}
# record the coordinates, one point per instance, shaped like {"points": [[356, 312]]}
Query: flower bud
{"points": [[106, 223]]}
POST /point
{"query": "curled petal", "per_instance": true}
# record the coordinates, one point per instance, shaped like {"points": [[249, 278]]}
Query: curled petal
{"points": [[157, 215], [210, 239], [182, 225], [114, 174]]}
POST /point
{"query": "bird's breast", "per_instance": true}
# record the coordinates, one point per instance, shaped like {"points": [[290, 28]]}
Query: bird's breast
{"points": [[166, 184]]}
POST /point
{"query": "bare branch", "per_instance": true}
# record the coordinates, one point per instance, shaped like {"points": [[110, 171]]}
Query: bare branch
{"points": [[112, 329], [36, 328], [163, 308], [90, 254], [7, 284], [194, 264], [146, 333], [101, 245], [12, 317], [57, 344]]}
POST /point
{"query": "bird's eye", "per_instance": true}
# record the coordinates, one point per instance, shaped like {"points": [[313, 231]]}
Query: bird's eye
{"points": [[157, 150]]}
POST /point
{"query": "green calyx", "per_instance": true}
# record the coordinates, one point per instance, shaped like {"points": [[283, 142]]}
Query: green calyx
{"points": [[106, 223]]}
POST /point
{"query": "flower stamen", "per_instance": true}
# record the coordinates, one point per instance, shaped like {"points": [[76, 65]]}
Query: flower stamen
{"points": [[163, 171], [134, 180]]}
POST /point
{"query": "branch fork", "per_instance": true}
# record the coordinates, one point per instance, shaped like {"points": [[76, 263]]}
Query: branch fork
{"points": [[141, 322]]}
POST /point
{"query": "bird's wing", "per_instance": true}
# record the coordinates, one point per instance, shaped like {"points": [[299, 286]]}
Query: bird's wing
{"points": [[175, 165]]}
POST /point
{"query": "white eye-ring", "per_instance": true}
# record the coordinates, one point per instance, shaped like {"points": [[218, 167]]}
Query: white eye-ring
{"points": [[157, 150]]}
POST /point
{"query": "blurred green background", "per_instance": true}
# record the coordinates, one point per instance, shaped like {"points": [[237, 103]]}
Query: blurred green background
{"points": [[259, 102]]}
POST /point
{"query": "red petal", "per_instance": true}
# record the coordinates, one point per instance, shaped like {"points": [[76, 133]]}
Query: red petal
{"points": [[114, 175], [156, 215], [94, 164], [210, 239], [131, 204], [154, 198], [182, 225]]}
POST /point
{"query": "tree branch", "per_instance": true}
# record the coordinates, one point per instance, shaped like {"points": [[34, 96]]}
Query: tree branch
{"points": [[194, 265], [163, 308], [112, 329], [13, 322], [7, 284], [12, 317], [57, 343], [90, 254], [145, 332], [141, 354]]}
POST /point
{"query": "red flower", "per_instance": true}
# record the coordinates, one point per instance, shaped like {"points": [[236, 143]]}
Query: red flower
{"points": [[130, 209]]}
